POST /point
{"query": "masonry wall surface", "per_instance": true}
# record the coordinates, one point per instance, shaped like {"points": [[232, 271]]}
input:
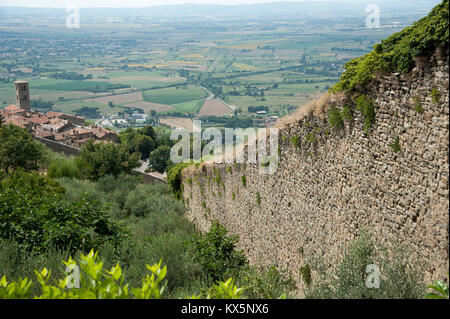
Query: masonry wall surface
{"points": [[324, 193]]}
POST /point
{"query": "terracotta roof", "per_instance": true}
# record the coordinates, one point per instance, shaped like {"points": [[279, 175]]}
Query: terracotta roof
{"points": [[100, 132], [38, 119], [18, 121], [79, 131], [14, 109], [53, 114]]}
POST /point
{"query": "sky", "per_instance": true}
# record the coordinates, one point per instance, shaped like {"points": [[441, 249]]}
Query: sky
{"points": [[125, 3]]}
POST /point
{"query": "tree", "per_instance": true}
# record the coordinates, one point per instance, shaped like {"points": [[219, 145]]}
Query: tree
{"points": [[160, 158], [139, 141], [148, 131], [17, 149], [98, 160], [1, 119], [144, 145]]}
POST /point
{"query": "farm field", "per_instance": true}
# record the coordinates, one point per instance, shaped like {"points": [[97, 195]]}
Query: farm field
{"points": [[174, 95], [214, 107], [174, 123]]}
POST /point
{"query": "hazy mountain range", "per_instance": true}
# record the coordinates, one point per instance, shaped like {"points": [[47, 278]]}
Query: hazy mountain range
{"points": [[335, 8]]}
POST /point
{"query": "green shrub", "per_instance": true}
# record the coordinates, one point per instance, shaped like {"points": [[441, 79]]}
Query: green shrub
{"points": [[395, 145], [305, 271], [311, 138], [347, 113], [335, 118], [34, 213], [367, 107], [151, 199], [98, 283], [217, 179], [435, 95], [258, 199], [244, 180], [418, 105], [401, 277], [174, 179], [63, 167], [268, 284], [217, 254], [295, 141]]}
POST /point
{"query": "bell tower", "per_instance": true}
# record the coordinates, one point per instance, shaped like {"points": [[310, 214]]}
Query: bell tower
{"points": [[22, 95]]}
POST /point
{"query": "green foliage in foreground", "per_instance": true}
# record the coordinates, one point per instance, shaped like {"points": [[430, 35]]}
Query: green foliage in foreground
{"points": [[401, 278], [95, 282], [439, 291], [397, 53]]}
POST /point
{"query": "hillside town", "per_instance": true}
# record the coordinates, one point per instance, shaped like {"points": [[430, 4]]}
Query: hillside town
{"points": [[59, 127]]}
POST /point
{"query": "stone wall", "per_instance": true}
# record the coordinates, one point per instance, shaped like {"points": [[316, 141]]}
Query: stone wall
{"points": [[58, 147], [325, 192]]}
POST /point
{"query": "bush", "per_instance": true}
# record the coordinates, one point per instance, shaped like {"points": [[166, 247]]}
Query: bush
{"points": [[295, 141], [174, 177], [395, 145], [244, 180], [335, 118], [400, 277], [63, 167], [269, 284], [305, 271], [34, 213], [367, 107], [418, 105], [216, 253], [435, 95], [311, 138]]}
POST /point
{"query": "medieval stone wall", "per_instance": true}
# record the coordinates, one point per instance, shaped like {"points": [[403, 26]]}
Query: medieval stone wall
{"points": [[329, 188]]}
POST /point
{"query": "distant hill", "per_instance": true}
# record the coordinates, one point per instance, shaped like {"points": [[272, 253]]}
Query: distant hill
{"points": [[294, 9]]}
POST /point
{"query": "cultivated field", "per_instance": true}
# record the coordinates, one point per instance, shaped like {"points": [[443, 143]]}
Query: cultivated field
{"points": [[214, 107], [119, 99], [178, 123]]}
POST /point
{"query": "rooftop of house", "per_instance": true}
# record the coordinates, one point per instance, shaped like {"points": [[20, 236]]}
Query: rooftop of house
{"points": [[17, 120], [79, 131], [52, 114], [14, 109]]}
